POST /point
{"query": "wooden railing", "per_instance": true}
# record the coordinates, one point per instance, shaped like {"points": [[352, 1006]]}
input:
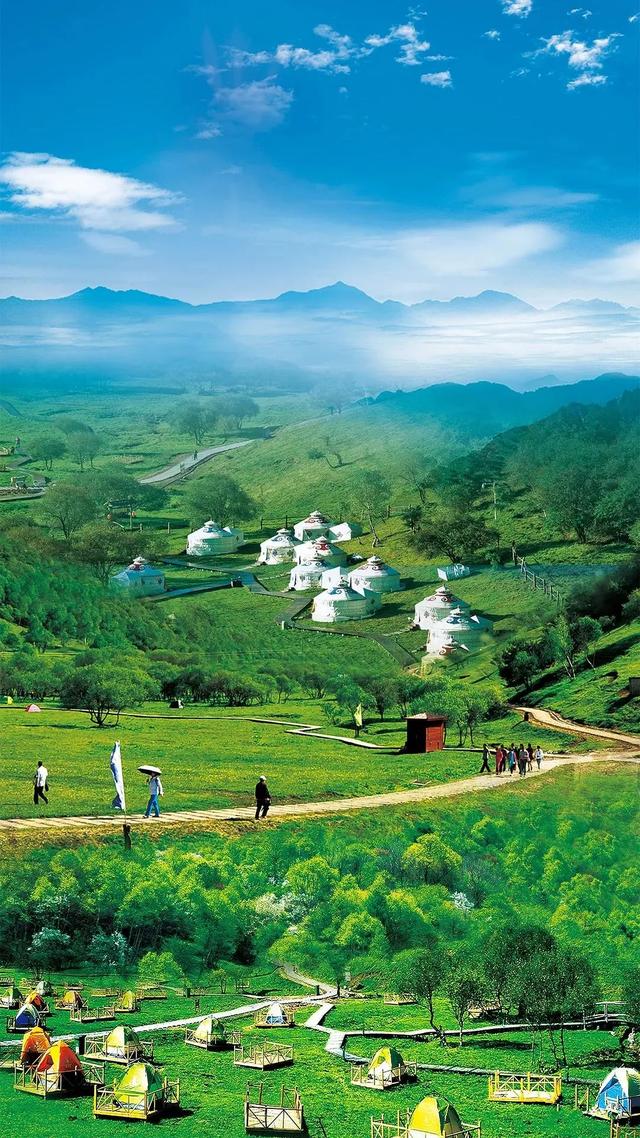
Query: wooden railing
{"points": [[287, 1115], [95, 1048], [400, 1128], [380, 1078], [92, 1015], [110, 1102], [525, 1088], [262, 1055]]}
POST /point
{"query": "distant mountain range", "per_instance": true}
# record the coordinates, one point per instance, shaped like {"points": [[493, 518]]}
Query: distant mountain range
{"points": [[336, 332]]}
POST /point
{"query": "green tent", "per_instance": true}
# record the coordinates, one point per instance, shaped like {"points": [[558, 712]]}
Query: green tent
{"points": [[120, 1042], [11, 997], [210, 1028], [138, 1083], [386, 1059]]}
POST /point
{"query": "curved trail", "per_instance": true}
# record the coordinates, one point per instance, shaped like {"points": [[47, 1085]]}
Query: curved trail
{"points": [[307, 809], [185, 465], [544, 717]]}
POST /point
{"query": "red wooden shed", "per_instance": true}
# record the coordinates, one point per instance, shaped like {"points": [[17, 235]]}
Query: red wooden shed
{"points": [[425, 733]]}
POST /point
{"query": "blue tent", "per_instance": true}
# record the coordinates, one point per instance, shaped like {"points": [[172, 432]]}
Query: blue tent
{"points": [[27, 1017], [619, 1094]]}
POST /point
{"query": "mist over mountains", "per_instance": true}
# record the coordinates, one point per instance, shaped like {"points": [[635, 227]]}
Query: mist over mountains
{"points": [[336, 332]]}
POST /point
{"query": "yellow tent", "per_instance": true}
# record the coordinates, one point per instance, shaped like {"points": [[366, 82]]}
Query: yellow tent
{"points": [[128, 1001], [139, 1081], [120, 1042], [36, 1000], [434, 1118], [34, 1043], [209, 1028], [72, 1000], [387, 1059]]}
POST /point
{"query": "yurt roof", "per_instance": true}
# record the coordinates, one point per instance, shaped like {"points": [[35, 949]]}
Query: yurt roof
{"points": [[315, 518], [281, 537], [339, 593], [59, 1059], [386, 1057], [140, 1077], [376, 565], [210, 1026], [140, 565], [36, 1039], [628, 1079], [434, 1117], [119, 1036], [442, 596]]}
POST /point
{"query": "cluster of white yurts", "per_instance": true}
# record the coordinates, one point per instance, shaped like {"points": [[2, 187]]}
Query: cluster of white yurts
{"points": [[318, 562], [450, 624]]}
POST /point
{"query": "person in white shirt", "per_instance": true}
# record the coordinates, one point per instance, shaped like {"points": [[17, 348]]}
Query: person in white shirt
{"points": [[538, 755], [40, 784], [155, 792]]}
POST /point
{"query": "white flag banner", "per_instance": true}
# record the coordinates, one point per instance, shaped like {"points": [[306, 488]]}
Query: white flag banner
{"points": [[116, 770]]}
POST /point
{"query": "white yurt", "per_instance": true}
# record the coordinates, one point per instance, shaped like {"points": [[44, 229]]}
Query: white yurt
{"points": [[337, 575], [322, 550], [461, 629], [307, 575], [316, 525], [437, 607], [454, 572], [278, 549], [139, 579], [376, 576], [345, 531], [212, 539], [343, 603]]}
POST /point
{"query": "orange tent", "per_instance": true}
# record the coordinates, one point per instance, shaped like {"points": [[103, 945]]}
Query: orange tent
{"points": [[34, 1043], [59, 1065]]}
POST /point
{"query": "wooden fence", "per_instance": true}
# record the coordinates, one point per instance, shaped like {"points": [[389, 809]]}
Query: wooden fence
{"points": [[536, 580]]}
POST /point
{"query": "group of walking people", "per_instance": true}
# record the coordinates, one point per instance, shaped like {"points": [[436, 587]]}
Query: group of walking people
{"points": [[509, 759]]}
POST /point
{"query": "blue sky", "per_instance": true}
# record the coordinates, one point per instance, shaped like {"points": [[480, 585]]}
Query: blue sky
{"points": [[217, 151]]}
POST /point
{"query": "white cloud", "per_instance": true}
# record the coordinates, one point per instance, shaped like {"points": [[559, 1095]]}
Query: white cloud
{"points": [[584, 12], [634, 19], [580, 54], [541, 198], [113, 243], [476, 248], [412, 48], [517, 7], [96, 199], [437, 79], [492, 34], [260, 105], [587, 79], [623, 264], [332, 59], [232, 171], [208, 129]]}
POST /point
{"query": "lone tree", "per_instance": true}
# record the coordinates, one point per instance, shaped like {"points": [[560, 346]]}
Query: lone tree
{"points": [[105, 690], [194, 419], [83, 447], [219, 497], [419, 972], [67, 507], [459, 535], [370, 495], [47, 448]]}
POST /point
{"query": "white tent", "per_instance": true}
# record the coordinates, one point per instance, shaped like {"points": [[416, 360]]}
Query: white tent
{"points": [[322, 550], [307, 575], [460, 629], [343, 603], [139, 579], [316, 525], [278, 549], [454, 572], [437, 607], [345, 531], [212, 539], [375, 576], [337, 575]]}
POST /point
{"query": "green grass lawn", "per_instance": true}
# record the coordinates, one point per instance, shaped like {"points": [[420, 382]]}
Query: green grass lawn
{"points": [[212, 1091]]}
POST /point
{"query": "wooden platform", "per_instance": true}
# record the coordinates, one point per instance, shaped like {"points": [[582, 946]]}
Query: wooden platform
{"points": [[525, 1088], [399, 1128], [92, 1015], [380, 1079], [212, 1042], [263, 1056], [141, 1050], [260, 1018], [46, 1085], [135, 1106], [283, 1117]]}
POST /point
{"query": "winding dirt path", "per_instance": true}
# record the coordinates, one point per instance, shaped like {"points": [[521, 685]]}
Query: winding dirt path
{"points": [[544, 717], [309, 809]]}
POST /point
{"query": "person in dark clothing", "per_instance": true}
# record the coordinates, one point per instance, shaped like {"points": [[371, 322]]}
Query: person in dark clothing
{"points": [[263, 798], [40, 784], [485, 768]]}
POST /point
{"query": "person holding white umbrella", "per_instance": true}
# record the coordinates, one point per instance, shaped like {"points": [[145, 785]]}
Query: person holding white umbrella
{"points": [[155, 790]]}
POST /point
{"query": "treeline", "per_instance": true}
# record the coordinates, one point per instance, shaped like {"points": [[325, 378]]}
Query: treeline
{"points": [[514, 900]]}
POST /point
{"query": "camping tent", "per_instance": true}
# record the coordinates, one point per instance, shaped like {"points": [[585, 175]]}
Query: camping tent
{"points": [[275, 1016], [34, 1043], [11, 997], [33, 707], [44, 988], [139, 578], [209, 1029], [434, 1118], [619, 1094], [376, 576], [38, 1001], [343, 603], [59, 1064], [138, 1082], [71, 1000], [26, 1017], [121, 1043], [211, 540], [128, 1002], [278, 549], [386, 1060]]}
